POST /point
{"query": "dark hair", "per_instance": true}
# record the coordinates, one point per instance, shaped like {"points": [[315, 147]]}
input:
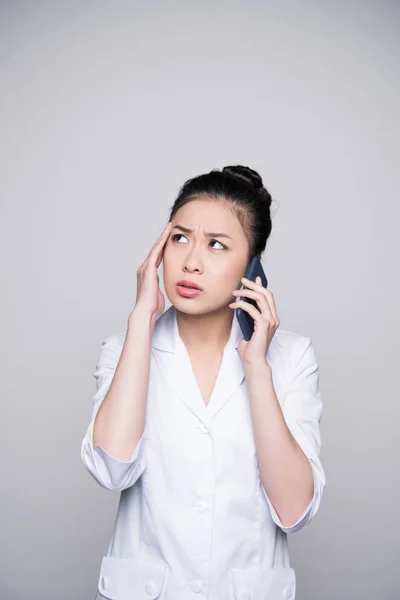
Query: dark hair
{"points": [[241, 187]]}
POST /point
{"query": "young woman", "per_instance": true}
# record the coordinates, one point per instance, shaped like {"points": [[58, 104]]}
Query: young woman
{"points": [[212, 441]]}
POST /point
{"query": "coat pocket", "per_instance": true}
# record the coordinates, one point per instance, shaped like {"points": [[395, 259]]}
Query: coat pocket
{"points": [[257, 583], [125, 579]]}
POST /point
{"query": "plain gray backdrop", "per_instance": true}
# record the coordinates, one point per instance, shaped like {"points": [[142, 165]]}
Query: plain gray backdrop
{"points": [[106, 109]]}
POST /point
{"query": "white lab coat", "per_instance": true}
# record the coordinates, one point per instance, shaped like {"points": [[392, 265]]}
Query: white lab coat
{"points": [[194, 521]]}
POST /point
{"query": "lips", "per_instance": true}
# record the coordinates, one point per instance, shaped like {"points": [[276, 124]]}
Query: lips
{"points": [[189, 284]]}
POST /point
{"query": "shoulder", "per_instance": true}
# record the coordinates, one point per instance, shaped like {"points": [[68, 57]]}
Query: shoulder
{"points": [[119, 338], [289, 348], [290, 341], [111, 348], [116, 338]]}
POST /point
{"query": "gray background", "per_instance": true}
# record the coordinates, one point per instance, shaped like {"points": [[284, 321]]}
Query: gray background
{"points": [[106, 109]]}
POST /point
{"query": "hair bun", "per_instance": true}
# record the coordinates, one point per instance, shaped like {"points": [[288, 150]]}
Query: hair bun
{"points": [[246, 174]]}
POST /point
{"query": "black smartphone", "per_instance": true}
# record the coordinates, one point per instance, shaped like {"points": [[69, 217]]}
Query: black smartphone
{"points": [[246, 321]]}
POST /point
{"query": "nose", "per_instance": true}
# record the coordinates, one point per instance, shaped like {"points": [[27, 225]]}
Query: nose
{"points": [[191, 267], [193, 262]]}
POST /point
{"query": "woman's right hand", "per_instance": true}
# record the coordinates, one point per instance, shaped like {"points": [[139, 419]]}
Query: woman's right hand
{"points": [[149, 297]]}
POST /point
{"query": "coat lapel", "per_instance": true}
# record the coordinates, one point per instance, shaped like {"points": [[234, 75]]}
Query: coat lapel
{"points": [[179, 372]]}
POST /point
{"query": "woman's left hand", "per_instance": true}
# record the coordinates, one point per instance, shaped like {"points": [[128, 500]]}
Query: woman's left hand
{"points": [[266, 320]]}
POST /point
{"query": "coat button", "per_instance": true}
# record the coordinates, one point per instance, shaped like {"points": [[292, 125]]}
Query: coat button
{"points": [[287, 592], [196, 586], [203, 428], [150, 587], [103, 583], [201, 506], [244, 595]]}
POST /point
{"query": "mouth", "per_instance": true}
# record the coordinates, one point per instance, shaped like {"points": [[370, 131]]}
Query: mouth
{"points": [[189, 285], [188, 289]]}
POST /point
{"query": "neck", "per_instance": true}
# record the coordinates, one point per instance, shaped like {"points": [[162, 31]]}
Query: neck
{"points": [[208, 332]]}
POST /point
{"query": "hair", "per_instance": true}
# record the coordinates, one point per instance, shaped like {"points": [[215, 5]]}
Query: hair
{"points": [[243, 189]]}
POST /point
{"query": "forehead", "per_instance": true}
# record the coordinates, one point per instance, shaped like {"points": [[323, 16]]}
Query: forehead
{"points": [[208, 215]]}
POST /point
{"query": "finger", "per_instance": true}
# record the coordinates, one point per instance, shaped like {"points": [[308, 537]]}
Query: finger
{"points": [[272, 305], [271, 302], [252, 284], [261, 300], [161, 238], [154, 255], [160, 256], [266, 292], [152, 252], [162, 245], [252, 310]]}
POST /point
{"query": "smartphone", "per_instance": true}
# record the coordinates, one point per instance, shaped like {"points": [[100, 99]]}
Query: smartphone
{"points": [[246, 321]]}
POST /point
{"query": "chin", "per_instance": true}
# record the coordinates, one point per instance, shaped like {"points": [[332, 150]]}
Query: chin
{"points": [[187, 306]]}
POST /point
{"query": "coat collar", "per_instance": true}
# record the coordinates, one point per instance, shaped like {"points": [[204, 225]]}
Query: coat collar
{"points": [[166, 333], [179, 372]]}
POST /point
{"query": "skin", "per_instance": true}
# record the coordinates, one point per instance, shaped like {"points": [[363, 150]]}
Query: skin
{"points": [[204, 324], [215, 264], [218, 266]]}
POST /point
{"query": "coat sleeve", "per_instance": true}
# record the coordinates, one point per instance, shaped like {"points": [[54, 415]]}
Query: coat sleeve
{"points": [[111, 473], [302, 410]]}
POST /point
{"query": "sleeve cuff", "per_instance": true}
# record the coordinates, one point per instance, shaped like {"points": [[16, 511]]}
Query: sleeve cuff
{"points": [[305, 517], [110, 472], [107, 456]]}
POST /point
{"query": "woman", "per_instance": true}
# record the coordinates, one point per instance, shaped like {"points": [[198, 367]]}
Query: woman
{"points": [[213, 441]]}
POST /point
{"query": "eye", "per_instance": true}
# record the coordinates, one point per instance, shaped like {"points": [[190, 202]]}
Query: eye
{"points": [[217, 242], [178, 235]]}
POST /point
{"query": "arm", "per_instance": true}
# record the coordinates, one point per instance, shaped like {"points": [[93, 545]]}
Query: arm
{"points": [[288, 439], [111, 448]]}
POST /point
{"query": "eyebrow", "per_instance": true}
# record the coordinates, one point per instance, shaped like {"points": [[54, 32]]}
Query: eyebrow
{"points": [[209, 235]]}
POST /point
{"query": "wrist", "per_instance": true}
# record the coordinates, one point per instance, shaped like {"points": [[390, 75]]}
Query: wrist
{"points": [[141, 316], [257, 366]]}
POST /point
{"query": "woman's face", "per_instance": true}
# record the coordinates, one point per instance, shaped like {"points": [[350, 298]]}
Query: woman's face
{"points": [[216, 263]]}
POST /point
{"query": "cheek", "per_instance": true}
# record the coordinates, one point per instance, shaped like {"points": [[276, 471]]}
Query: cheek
{"points": [[225, 282], [167, 256], [167, 265], [231, 273]]}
